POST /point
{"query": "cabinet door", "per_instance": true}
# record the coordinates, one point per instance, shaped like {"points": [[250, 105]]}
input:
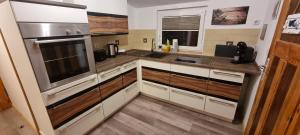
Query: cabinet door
{"points": [[129, 77], [156, 90], [155, 75], [113, 103], [108, 24], [221, 107], [111, 86], [189, 82], [228, 90], [61, 113], [190, 99]]}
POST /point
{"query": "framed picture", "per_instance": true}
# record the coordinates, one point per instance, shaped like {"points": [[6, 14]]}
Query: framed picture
{"points": [[230, 16], [292, 24]]}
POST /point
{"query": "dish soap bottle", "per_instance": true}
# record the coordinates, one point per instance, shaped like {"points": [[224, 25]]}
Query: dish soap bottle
{"points": [[168, 45]]}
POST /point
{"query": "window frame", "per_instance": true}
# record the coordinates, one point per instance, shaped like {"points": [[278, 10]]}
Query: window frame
{"points": [[196, 11]]}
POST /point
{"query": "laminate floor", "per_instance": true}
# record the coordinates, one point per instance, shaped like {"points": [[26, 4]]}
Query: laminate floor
{"points": [[147, 116], [12, 123]]}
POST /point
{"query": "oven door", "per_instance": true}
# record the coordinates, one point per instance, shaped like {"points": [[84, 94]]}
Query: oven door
{"points": [[60, 61]]}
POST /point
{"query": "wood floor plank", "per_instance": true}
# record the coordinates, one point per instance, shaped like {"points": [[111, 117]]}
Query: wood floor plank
{"points": [[147, 116]]}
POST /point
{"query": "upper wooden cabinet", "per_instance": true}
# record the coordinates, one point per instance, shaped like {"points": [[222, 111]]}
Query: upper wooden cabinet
{"points": [[117, 7]]}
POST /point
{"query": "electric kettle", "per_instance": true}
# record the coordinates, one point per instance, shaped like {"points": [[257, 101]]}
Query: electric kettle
{"points": [[113, 50]]}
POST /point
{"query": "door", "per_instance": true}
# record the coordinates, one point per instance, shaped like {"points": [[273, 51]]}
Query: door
{"points": [[4, 100], [275, 109]]}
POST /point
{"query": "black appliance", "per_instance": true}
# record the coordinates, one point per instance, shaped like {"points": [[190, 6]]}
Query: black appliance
{"points": [[113, 50], [100, 55]]}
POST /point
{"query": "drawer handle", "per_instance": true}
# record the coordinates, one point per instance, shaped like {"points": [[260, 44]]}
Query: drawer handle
{"points": [[187, 77], [186, 94], [227, 74], [110, 72], [62, 128], [220, 102], [130, 65], [153, 85], [57, 92]]}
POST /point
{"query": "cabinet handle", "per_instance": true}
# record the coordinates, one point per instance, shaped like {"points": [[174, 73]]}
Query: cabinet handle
{"points": [[187, 77], [62, 128], [57, 92], [153, 85], [130, 65], [227, 74], [220, 102], [186, 94], [111, 72]]}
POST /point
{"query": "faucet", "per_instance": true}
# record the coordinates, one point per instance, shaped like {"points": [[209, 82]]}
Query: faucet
{"points": [[153, 45]]}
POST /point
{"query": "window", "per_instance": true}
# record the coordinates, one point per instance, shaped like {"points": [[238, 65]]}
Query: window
{"points": [[185, 25]]}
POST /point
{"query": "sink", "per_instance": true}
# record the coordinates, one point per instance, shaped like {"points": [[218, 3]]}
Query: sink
{"points": [[185, 60], [193, 60], [156, 55]]}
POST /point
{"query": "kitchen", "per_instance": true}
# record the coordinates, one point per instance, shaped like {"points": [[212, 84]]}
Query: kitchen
{"points": [[151, 67]]}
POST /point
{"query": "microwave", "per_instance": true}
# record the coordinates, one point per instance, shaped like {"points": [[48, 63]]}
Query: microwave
{"points": [[60, 53]]}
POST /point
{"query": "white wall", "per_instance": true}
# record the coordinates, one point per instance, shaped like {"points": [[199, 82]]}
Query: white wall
{"points": [[263, 47], [146, 18]]}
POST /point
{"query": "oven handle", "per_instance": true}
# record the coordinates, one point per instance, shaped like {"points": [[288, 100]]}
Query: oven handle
{"points": [[38, 42]]}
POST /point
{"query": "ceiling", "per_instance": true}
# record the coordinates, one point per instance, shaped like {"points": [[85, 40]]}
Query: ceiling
{"points": [[150, 3]]}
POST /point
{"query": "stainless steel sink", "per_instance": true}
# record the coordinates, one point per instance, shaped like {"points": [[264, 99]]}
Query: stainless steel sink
{"points": [[156, 55], [193, 60]]}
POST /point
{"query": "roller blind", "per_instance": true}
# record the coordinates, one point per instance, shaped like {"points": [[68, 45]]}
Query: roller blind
{"points": [[181, 23]]}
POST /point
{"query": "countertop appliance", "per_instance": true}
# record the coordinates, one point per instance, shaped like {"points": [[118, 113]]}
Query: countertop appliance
{"points": [[113, 50], [244, 53], [60, 53], [100, 55]]}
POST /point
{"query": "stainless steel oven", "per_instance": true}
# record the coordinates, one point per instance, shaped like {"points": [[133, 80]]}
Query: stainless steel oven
{"points": [[60, 53]]}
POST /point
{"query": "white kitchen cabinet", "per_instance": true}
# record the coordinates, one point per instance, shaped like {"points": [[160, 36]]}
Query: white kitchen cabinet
{"points": [[156, 90], [113, 103], [83, 123], [117, 7], [197, 71], [156, 65], [129, 66], [103, 76], [190, 99], [220, 107], [131, 91], [227, 75]]}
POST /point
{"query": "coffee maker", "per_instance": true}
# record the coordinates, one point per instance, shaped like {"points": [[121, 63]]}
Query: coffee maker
{"points": [[244, 54]]}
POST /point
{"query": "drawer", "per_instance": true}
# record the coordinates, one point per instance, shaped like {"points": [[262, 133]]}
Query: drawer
{"points": [[156, 75], [156, 90], [129, 66], [63, 112], [62, 92], [129, 77], [189, 82], [106, 75], [111, 86], [220, 107], [203, 72], [131, 91], [190, 99], [156, 65], [225, 90], [113, 103], [227, 76], [83, 123]]}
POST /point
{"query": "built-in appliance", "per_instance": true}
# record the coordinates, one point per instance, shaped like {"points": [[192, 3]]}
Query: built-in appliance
{"points": [[60, 53], [113, 50], [100, 55]]}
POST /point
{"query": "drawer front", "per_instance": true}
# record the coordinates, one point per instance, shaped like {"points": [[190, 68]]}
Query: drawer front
{"points": [[131, 91], [220, 107], [226, 90], [156, 90], [83, 123], [111, 86], [188, 82], [68, 90], [156, 75], [109, 74], [203, 72], [129, 66], [190, 99], [156, 65], [227, 76], [129, 77], [62, 112], [113, 103]]}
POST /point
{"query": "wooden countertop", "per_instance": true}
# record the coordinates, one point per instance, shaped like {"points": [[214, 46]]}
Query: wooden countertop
{"points": [[201, 61]]}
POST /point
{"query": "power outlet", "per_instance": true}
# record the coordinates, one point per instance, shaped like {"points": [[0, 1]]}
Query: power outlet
{"points": [[145, 40]]}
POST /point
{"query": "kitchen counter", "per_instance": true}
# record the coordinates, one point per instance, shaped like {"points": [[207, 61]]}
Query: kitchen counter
{"points": [[200, 61]]}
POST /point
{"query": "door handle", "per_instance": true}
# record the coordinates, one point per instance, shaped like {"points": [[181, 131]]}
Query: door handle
{"points": [[38, 42], [153, 85], [220, 102]]}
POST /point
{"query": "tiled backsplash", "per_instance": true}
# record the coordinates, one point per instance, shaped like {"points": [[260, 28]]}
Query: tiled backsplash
{"points": [[134, 40]]}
